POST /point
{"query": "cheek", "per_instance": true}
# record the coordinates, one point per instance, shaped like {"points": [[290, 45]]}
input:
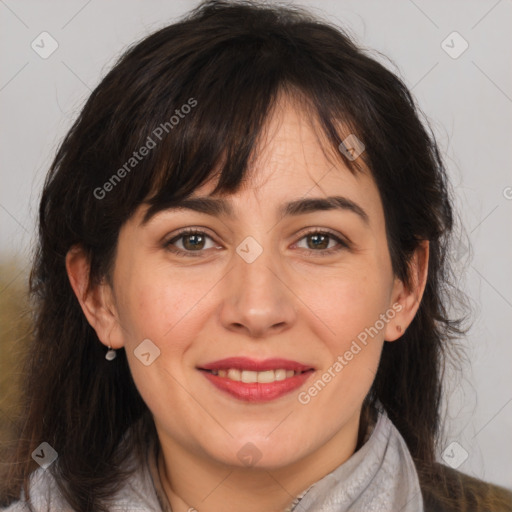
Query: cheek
{"points": [[168, 309], [348, 301], [164, 306], [352, 343]]}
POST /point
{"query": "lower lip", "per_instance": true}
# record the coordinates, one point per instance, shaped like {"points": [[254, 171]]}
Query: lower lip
{"points": [[255, 391]]}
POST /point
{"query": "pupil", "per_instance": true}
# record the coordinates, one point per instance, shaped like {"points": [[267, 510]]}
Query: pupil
{"points": [[194, 244], [316, 238]]}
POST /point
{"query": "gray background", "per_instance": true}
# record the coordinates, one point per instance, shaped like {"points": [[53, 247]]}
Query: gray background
{"points": [[468, 101]]}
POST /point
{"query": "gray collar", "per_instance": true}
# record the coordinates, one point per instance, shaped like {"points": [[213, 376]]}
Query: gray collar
{"points": [[381, 475]]}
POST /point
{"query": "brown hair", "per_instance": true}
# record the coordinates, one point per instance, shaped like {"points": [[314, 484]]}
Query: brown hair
{"points": [[232, 59]]}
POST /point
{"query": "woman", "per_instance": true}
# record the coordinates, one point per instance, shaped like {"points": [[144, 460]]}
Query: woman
{"points": [[239, 283]]}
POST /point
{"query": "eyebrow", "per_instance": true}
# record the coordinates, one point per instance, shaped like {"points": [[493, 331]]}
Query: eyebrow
{"points": [[220, 207]]}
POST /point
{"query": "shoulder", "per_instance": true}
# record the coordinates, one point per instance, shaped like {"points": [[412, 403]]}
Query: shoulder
{"points": [[15, 507], [448, 490], [44, 495], [135, 495]]}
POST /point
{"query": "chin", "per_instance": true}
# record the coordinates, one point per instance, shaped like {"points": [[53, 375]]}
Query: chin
{"points": [[259, 455]]}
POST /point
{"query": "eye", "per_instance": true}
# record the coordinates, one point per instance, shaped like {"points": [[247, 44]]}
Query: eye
{"points": [[319, 242], [194, 243], [191, 240]]}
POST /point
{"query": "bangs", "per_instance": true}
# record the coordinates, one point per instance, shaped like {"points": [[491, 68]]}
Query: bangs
{"points": [[225, 151]]}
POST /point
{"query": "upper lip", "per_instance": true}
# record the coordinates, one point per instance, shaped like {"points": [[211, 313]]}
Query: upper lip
{"points": [[245, 363]]}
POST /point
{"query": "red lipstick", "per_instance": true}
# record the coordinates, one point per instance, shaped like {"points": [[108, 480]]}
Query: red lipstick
{"points": [[257, 391]]}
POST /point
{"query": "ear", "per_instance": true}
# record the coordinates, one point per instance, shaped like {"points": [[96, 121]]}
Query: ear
{"points": [[97, 302], [406, 301]]}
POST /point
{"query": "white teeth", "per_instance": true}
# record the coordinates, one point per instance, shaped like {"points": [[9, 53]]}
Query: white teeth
{"points": [[280, 374], [234, 374], [249, 376], [267, 376]]}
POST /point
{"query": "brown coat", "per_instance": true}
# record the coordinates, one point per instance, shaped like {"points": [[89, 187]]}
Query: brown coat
{"points": [[449, 490]]}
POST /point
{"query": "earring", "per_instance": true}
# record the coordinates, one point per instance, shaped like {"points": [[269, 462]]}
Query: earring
{"points": [[111, 354], [399, 328]]}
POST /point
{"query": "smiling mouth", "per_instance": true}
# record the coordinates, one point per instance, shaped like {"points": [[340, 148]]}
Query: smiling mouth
{"points": [[250, 377]]}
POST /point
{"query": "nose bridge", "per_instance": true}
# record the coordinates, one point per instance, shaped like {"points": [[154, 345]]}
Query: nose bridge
{"points": [[256, 299], [257, 266]]}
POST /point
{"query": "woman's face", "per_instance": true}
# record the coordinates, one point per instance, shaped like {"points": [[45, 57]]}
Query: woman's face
{"points": [[312, 286]]}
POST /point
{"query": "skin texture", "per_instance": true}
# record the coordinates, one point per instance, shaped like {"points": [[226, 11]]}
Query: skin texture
{"points": [[291, 302]]}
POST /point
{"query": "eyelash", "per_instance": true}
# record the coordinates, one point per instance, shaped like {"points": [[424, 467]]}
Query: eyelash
{"points": [[343, 245]]}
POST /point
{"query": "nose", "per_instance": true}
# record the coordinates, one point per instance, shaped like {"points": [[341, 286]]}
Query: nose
{"points": [[256, 299]]}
